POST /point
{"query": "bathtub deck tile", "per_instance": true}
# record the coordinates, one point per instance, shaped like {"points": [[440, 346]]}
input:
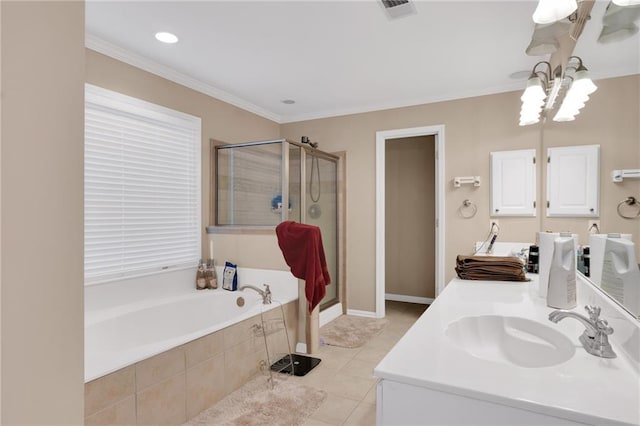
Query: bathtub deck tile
{"points": [[204, 348], [105, 391], [241, 368], [159, 367], [205, 385], [250, 346], [163, 403], [120, 413], [238, 333]]}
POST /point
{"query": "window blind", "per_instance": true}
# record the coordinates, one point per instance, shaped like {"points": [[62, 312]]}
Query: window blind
{"points": [[141, 187]]}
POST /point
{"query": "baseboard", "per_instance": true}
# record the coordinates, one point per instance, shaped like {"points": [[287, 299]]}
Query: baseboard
{"points": [[330, 314], [358, 313], [409, 299]]}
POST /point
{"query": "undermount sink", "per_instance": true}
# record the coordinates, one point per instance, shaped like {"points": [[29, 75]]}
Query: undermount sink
{"points": [[512, 340]]}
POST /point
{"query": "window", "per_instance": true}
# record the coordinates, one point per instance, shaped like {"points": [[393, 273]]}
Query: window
{"points": [[142, 210]]}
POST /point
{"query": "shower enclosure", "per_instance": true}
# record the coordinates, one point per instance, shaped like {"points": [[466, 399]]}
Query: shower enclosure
{"points": [[256, 180]]}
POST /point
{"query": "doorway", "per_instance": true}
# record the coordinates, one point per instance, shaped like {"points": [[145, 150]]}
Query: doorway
{"points": [[434, 137], [410, 235]]}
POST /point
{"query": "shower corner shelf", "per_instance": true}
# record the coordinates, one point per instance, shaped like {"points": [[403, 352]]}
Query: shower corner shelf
{"points": [[279, 210]]}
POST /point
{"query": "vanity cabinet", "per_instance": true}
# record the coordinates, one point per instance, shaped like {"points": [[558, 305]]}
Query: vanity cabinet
{"points": [[441, 372], [404, 404], [513, 183], [573, 181]]}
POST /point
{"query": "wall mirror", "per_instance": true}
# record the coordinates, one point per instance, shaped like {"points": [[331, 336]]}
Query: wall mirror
{"points": [[610, 119]]}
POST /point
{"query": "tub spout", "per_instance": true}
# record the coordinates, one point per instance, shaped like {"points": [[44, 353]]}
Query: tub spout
{"points": [[266, 293]]}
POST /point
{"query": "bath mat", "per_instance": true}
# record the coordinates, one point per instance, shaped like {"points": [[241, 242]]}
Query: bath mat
{"points": [[288, 403], [351, 332]]}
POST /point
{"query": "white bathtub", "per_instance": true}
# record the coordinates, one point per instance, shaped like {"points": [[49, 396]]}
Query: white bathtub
{"points": [[120, 335]]}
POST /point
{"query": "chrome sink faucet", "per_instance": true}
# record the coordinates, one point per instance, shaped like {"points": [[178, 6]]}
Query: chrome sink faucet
{"points": [[595, 338], [266, 293]]}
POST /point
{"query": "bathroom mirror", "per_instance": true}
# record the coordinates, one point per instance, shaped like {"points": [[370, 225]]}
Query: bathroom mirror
{"points": [[612, 267], [609, 119]]}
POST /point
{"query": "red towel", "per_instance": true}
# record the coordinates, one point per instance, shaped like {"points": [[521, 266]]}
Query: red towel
{"points": [[302, 249]]}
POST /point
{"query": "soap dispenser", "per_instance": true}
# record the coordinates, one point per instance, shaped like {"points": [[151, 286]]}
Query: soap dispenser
{"points": [[561, 293]]}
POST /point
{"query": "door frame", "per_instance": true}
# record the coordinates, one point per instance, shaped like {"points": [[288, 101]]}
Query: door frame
{"points": [[381, 138]]}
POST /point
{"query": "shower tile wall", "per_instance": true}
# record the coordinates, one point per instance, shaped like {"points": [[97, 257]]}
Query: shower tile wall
{"points": [[248, 180], [176, 385]]}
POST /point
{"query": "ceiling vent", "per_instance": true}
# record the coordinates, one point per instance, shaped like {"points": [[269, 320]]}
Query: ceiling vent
{"points": [[398, 8]]}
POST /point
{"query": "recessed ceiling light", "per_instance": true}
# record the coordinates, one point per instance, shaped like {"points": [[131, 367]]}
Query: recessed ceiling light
{"points": [[166, 37], [288, 101]]}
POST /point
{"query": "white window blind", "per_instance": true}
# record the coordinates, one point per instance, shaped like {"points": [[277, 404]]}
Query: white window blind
{"points": [[141, 187]]}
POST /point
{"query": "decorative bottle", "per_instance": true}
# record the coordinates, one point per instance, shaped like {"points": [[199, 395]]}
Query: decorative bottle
{"points": [[201, 280], [211, 275]]}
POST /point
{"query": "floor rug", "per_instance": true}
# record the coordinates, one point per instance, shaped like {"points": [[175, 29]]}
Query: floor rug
{"points": [[350, 331], [288, 403]]}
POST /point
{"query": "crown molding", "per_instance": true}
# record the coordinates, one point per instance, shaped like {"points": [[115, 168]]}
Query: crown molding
{"points": [[100, 45], [401, 104]]}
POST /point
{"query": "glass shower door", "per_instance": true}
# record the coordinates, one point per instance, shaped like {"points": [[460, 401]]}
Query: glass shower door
{"points": [[322, 211]]}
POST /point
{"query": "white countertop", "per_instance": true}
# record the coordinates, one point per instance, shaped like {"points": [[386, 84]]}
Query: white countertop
{"points": [[585, 388]]}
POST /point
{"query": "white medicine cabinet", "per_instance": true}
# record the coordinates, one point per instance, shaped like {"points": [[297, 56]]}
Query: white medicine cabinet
{"points": [[513, 183], [573, 180]]}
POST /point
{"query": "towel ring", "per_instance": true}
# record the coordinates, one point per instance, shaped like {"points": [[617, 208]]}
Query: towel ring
{"points": [[629, 201], [468, 209]]}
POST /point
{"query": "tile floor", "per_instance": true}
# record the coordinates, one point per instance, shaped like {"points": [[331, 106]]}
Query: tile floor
{"points": [[347, 374]]}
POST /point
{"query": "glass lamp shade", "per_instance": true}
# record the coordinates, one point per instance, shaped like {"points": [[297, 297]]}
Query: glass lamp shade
{"points": [[542, 47], [549, 11], [611, 34], [529, 122], [534, 91], [626, 2], [582, 83], [560, 116]]}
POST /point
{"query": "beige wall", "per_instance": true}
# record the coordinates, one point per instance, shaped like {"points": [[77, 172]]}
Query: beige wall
{"points": [[220, 121], [410, 216], [42, 212], [474, 128]]}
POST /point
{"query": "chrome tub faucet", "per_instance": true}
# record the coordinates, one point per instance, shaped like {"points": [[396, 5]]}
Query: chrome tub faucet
{"points": [[266, 293], [595, 338]]}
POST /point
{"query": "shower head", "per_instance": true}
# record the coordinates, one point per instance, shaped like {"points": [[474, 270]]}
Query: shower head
{"points": [[306, 140]]}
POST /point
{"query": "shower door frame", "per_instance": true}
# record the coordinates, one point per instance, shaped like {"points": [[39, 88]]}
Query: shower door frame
{"points": [[339, 161], [303, 211]]}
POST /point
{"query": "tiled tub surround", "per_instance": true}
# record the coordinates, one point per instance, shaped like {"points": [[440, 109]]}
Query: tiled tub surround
{"points": [[154, 374]]}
